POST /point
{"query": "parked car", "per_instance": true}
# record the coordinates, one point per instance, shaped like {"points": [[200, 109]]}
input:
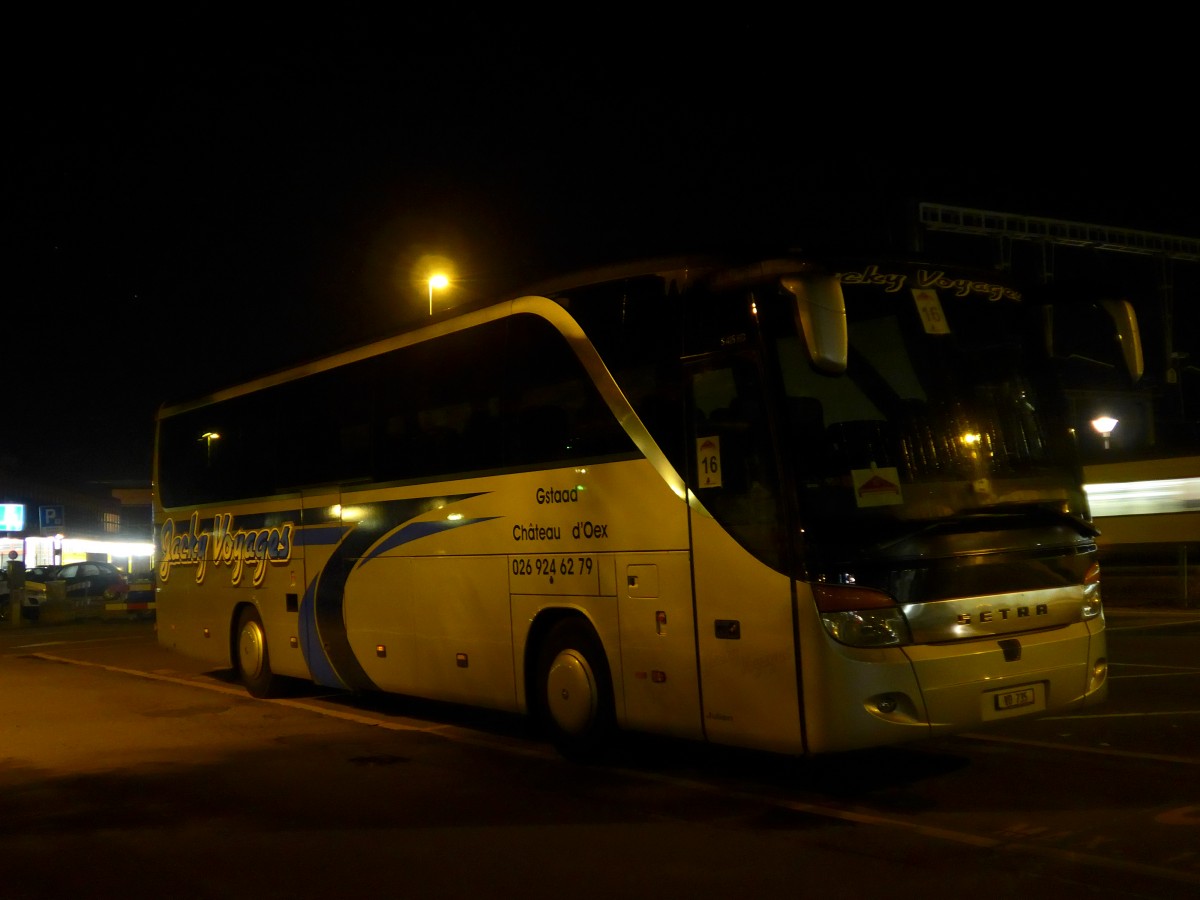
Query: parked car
{"points": [[35, 594], [42, 574], [89, 585]]}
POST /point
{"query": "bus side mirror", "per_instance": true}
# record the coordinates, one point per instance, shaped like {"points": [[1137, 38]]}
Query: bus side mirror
{"points": [[820, 311], [1126, 324], [1080, 326]]}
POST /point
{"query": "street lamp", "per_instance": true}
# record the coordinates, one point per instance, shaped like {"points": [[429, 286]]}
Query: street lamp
{"points": [[1104, 426], [438, 281], [208, 437]]}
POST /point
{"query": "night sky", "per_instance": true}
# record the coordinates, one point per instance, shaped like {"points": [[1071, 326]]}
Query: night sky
{"points": [[191, 206]]}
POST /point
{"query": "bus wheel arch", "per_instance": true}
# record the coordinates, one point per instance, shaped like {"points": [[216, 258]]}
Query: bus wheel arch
{"points": [[572, 696], [251, 653]]}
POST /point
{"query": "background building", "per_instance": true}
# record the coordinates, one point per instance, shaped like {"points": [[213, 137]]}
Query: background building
{"points": [[48, 524]]}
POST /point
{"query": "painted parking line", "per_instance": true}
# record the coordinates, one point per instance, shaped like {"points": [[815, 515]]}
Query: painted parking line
{"points": [[833, 811], [450, 732], [1078, 748]]}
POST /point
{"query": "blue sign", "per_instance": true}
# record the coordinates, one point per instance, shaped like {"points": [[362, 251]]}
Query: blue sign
{"points": [[51, 516], [12, 516]]}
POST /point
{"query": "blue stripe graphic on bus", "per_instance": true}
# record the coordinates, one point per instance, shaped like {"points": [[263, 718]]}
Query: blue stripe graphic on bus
{"points": [[323, 638], [320, 536], [310, 644], [416, 531], [318, 663]]}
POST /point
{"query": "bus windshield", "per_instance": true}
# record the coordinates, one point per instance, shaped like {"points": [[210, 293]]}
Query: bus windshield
{"points": [[946, 409]]}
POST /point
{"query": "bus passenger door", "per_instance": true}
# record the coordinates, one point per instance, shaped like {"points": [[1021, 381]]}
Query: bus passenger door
{"points": [[744, 600]]}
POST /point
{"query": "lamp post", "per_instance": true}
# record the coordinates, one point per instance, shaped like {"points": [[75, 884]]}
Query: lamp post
{"points": [[1104, 426], [208, 437], [436, 281]]}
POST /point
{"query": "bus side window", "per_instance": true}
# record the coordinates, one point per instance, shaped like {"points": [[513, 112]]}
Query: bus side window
{"points": [[738, 457], [806, 438], [558, 414], [544, 432], [747, 500]]}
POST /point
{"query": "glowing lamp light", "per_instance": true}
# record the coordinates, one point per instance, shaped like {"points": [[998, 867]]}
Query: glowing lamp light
{"points": [[1104, 426], [438, 281]]}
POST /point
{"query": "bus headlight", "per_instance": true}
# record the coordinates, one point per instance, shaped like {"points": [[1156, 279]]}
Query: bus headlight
{"points": [[1092, 606], [861, 617]]}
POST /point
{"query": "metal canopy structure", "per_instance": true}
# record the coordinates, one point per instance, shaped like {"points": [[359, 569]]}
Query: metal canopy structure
{"points": [[939, 217], [1008, 227]]}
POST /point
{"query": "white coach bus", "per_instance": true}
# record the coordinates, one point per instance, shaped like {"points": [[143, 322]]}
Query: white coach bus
{"points": [[778, 505]]}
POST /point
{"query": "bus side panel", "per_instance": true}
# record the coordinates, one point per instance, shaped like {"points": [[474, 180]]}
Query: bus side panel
{"points": [[747, 651], [463, 631], [658, 644], [281, 621], [434, 626], [377, 614], [189, 619], [433, 585], [197, 618]]}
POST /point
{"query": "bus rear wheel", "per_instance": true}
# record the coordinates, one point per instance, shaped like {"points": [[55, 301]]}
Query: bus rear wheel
{"points": [[253, 658], [575, 691]]}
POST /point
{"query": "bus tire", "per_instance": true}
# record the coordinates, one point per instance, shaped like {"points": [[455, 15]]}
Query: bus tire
{"points": [[252, 657], [575, 691]]}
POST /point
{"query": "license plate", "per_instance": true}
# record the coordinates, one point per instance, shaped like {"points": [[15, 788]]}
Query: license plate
{"points": [[1014, 699]]}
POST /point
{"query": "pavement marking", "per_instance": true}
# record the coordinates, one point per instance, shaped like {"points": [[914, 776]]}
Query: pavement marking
{"points": [[1162, 713], [239, 692], [1125, 665], [865, 817], [1098, 751], [111, 640], [1142, 626], [451, 732], [1186, 673], [846, 814]]}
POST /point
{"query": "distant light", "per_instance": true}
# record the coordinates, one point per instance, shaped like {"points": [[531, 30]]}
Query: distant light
{"points": [[106, 548], [1138, 498]]}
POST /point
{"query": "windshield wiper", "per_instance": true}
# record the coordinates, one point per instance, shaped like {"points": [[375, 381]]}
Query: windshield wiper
{"points": [[1003, 514], [1001, 517]]}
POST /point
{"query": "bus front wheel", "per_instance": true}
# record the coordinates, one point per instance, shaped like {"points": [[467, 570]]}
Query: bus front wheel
{"points": [[575, 690], [253, 659]]}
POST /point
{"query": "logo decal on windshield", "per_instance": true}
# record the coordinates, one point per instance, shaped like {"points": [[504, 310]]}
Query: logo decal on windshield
{"points": [[877, 486]]}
